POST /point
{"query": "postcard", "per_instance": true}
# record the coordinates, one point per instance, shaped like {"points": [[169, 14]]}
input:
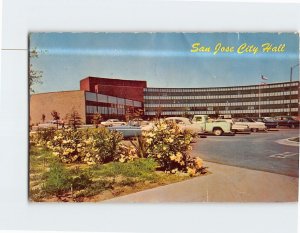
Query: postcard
{"points": [[163, 117]]}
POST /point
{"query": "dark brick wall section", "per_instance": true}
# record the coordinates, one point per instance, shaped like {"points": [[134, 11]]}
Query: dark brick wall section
{"points": [[130, 89]]}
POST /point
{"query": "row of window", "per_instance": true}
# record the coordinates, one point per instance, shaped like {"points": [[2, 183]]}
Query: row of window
{"points": [[280, 85], [104, 110], [217, 108], [228, 100], [220, 104], [244, 92], [177, 113], [158, 97], [91, 96]]}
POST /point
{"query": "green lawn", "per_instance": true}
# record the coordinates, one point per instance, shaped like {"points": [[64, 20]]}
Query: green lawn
{"points": [[51, 180]]}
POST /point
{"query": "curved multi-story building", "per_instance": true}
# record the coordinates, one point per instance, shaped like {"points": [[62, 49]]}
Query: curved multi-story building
{"points": [[118, 98], [255, 100]]}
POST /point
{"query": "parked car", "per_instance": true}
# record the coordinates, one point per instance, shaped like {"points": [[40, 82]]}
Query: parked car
{"points": [[270, 122], [128, 131], [136, 122], [237, 128], [50, 124], [253, 125], [218, 128], [186, 124], [113, 122], [287, 121]]}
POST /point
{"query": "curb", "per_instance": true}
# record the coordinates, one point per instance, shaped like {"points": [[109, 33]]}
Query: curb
{"points": [[287, 142]]}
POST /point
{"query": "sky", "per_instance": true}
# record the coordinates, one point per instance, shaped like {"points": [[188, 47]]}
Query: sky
{"points": [[163, 59]]}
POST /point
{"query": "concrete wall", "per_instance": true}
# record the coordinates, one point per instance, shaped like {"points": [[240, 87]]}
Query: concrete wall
{"points": [[62, 102]]}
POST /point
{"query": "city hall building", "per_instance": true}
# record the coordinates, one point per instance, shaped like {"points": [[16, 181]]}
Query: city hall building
{"points": [[113, 98]]}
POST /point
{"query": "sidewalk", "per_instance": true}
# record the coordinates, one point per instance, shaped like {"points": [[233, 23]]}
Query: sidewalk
{"points": [[224, 184]]}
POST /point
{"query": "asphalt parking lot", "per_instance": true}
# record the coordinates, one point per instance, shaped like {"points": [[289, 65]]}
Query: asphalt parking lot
{"points": [[257, 151]]}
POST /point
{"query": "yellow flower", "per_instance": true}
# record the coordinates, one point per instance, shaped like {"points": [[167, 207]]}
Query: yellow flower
{"points": [[198, 163], [172, 157], [159, 156], [151, 134], [191, 171], [149, 140], [122, 160], [65, 153], [170, 140]]}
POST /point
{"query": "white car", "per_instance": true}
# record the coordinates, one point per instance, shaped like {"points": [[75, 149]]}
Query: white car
{"points": [[113, 122], [186, 124], [237, 128], [253, 125]]}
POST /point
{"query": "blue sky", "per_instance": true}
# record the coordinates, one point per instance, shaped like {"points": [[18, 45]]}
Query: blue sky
{"points": [[162, 59]]}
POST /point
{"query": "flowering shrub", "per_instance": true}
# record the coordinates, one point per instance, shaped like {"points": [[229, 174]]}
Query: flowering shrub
{"points": [[97, 146], [168, 145], [127, 153], [66, 144], [100, 146], [195, 165], [42, 136]]}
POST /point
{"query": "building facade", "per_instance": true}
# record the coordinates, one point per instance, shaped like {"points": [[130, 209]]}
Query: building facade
{"points": [[265, 100], [112, 98], [116, 98]]}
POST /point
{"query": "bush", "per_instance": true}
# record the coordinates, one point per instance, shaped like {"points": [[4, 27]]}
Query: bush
{"points": [[126, 153], [57, 180], [101, 146], [168, 145], [90, 146], [42, 136], [82, 181], [66, 144]]}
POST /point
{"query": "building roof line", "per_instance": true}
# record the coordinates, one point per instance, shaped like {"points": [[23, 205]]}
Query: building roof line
{"points": [[252, 85]]}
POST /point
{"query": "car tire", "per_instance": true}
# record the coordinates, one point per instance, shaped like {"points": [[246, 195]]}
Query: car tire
{"points": [[218, 132], [254, 130]]}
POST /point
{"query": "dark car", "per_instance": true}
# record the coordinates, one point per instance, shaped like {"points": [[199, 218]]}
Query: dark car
{"points": [[287, 121], [270, 122]]}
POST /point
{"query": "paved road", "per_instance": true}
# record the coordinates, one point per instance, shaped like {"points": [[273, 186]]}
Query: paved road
{"points": [[258, 151]]}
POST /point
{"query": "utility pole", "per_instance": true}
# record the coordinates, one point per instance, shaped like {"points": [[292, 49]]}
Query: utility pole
{"points": [[259, 115], [291, 79]]}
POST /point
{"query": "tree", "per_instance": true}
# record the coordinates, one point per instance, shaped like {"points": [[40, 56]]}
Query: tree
{"points": [[158, 112], [34, 76], [96, 120], [138, 113], [55, 116], [43, 117], [74, 118]]}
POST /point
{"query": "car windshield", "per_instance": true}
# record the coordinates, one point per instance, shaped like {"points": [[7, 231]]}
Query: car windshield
{"points": [[250, 120]]}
